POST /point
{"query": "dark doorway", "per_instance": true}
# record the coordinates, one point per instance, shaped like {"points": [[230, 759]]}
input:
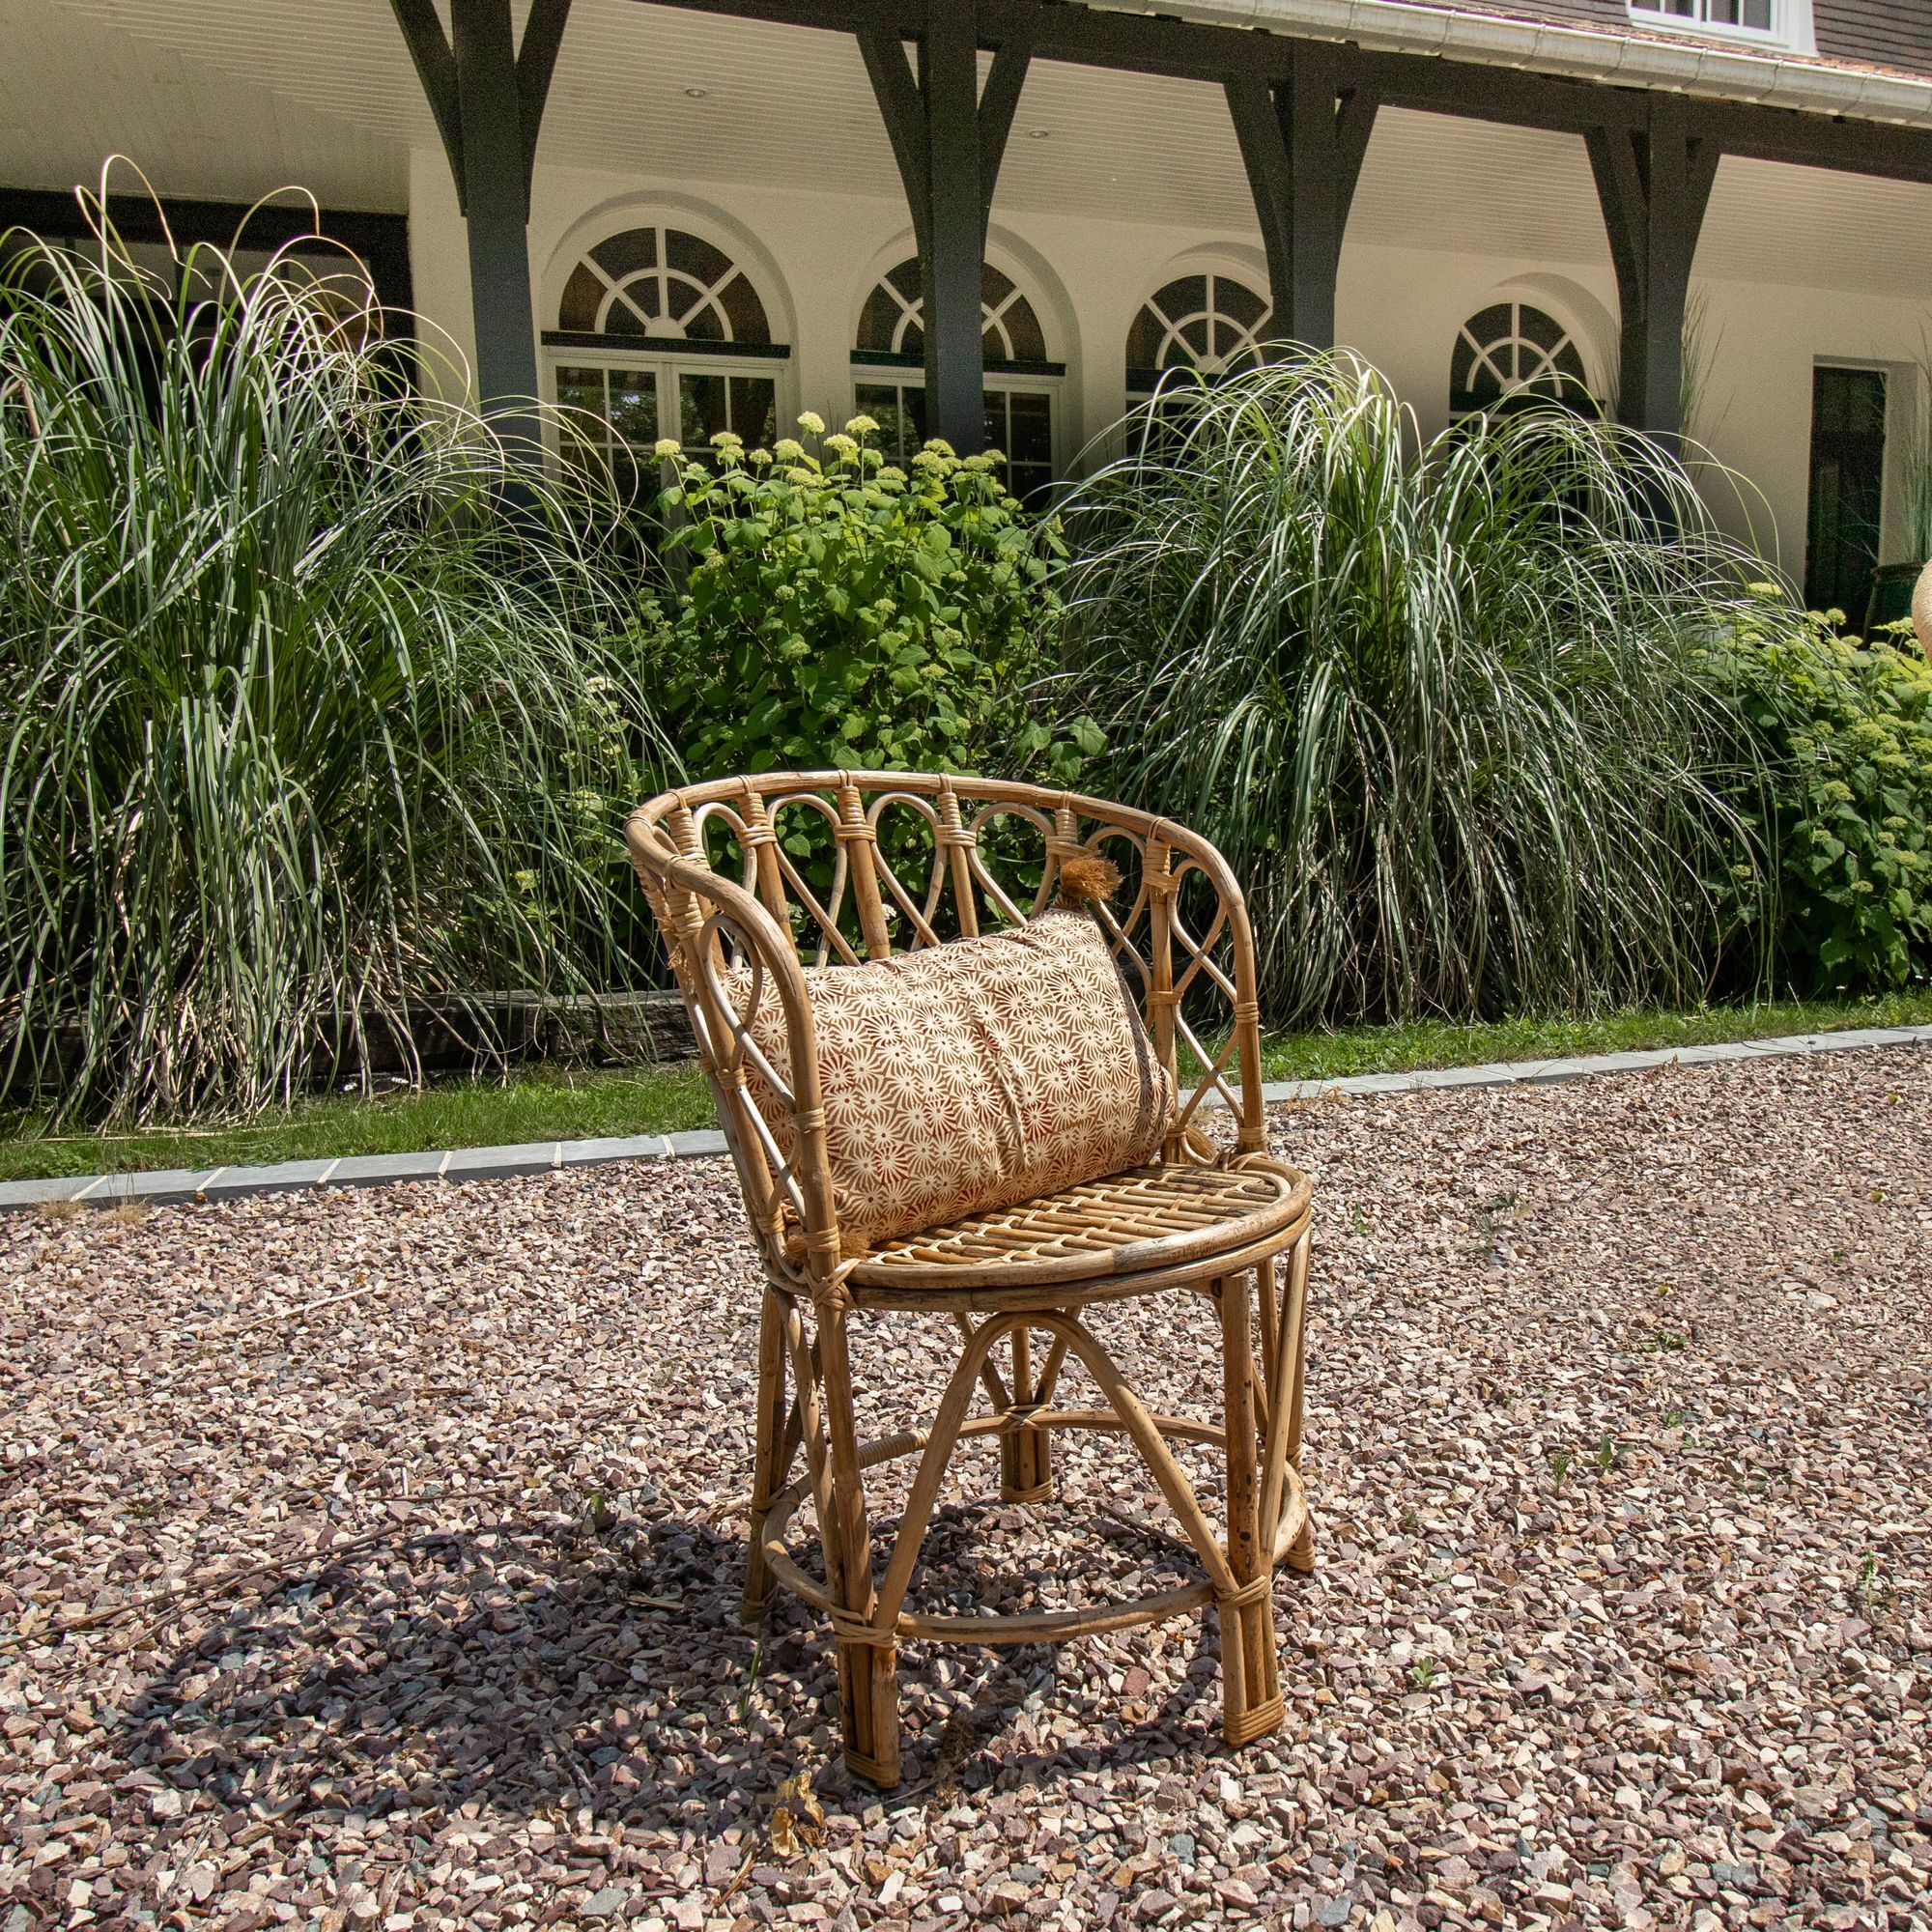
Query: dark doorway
{"points": [[1847, 489]]}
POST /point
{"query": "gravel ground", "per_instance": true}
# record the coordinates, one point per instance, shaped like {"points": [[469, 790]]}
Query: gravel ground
{"points": [[1618, 1440]]}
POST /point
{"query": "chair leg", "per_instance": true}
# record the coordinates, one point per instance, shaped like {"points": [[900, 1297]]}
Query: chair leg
{"points": [[1300, 1556], [777, 1443], [1026, 1452], [868, 1668], [1250, 1668], [869, 1710]]}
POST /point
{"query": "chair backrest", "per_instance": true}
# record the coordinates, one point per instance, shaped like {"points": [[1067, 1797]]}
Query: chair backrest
{"points": [[779, 870]]}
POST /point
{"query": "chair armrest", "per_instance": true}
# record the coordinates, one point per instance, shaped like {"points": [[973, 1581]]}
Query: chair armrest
{"points": [[787, 1187]]}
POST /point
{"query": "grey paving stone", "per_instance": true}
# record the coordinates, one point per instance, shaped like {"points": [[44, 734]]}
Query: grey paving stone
{"points": [[38, 1193], [542, 1156], [361, 1169], [499, 1163], [231, 1183], [616, 1147], [158, 1185], [1371, 1083], [1492, 1073]]}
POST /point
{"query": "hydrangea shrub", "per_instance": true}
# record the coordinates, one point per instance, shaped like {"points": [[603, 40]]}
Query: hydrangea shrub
{"points": [[1844, 726], [838, 610]]}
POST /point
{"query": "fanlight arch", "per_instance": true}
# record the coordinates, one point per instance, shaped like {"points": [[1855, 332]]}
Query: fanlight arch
{"points": [[1511, 352], [660, 281], [1209, 321], [892, 321]]}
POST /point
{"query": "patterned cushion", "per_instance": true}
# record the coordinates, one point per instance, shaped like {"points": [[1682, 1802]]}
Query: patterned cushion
{"points": [[966, 1078]]}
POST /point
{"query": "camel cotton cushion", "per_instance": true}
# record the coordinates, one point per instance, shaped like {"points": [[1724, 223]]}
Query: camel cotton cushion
{"points": [[967, 1078]]}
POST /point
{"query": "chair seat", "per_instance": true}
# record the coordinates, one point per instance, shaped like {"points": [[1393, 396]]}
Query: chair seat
{"points": [[1179, 1219]]}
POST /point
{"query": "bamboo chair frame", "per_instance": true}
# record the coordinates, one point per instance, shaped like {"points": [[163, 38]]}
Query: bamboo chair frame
{"points": [[1229, 1223]]}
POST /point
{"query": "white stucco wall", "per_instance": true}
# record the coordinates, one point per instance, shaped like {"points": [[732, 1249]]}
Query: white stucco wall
{"points": [[817, 254]]}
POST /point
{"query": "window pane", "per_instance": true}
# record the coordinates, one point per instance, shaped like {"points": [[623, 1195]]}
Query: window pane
{"points": [[754, 408], [1186, 297], [744, 311], [1144, 340], [879, 318], [634, 407], [701, 408], [582, 297], [1023, 329], [624, 255], [623, 319], [900, 413], [1533, 325], [693, 306], [579, 388], [1240, 302], [693, 256], [1030, 428]]}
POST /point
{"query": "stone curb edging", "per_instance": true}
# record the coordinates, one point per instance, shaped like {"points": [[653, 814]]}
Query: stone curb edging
{"points": [[162, 1185]]}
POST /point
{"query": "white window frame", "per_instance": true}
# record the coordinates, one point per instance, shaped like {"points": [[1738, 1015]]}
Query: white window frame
{"points": [[668, 359], [1791, 28], [900, 376]]}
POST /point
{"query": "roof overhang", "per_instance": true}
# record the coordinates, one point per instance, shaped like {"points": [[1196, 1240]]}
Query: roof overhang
{"points": [[1774, 79]]}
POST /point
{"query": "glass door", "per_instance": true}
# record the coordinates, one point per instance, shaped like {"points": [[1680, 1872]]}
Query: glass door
{"points": [[1847, 497]]}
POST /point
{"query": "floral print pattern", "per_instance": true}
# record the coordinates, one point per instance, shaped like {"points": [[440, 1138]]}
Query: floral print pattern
{"points": [[964, 1078]]}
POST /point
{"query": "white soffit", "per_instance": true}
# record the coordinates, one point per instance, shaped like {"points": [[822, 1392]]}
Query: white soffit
{"points": [[1815, 228], [78, 84]]}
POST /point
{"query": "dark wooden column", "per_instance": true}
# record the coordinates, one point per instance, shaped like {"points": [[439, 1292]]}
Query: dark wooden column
{"points": [[488, 98], [1304, 136], [948, 139], [1654, 184]]}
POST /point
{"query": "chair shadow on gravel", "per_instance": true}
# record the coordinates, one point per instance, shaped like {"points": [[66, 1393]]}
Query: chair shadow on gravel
{"points": [[549, 1668]]}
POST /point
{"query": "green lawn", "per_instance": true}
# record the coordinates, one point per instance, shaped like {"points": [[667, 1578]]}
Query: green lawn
{"points": [[1402, 1049], [544, 1104], [535, 1104]]}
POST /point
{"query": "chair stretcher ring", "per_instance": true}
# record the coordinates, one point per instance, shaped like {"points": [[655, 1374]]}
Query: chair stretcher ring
{"points": [[1032, 1626]]}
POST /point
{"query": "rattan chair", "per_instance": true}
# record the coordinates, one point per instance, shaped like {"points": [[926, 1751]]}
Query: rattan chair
{"points": [[1214, 1216]]}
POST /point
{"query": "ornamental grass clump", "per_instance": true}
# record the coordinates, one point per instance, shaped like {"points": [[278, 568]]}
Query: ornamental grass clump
{"points": [[1435, 700], [315, 705]]}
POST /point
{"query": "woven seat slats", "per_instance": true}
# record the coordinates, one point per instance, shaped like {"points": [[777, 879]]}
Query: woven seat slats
{"points": [[1153, 1217]]}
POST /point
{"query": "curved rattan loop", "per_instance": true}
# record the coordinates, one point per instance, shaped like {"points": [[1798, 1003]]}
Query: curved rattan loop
{"points": [[1208, 1219]]}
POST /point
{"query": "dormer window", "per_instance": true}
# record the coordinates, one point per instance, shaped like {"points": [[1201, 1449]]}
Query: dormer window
{"points": [[1788, 22]]}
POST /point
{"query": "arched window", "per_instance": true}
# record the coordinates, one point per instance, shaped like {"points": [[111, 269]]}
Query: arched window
{"points": [[1212, 322], [661, 333], [1023, 385], [1509, 354]]}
